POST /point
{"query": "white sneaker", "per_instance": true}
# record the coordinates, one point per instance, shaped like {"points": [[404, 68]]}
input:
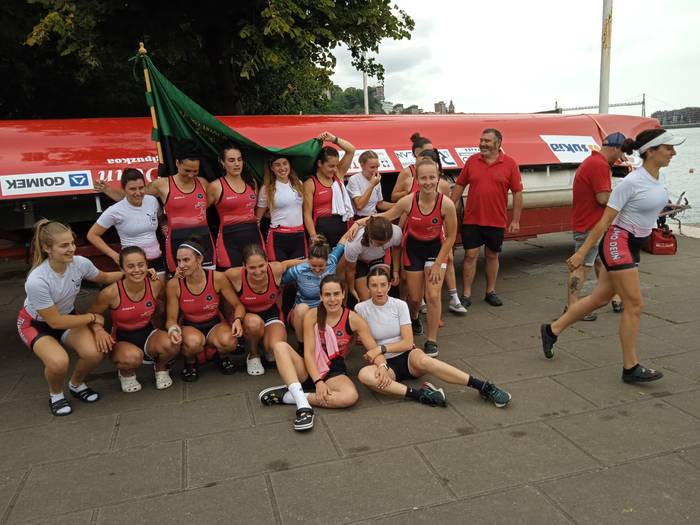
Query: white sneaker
{"points": [[457, 308]]}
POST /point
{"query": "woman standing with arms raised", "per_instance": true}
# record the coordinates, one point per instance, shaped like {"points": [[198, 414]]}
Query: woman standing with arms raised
{"points": [[48, 323]]}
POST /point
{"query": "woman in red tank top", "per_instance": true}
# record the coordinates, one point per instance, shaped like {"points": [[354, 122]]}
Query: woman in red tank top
{"points": [[134, 339], [194, 318], [235, 196], [257, 284], [323, 367], [429, 234]]}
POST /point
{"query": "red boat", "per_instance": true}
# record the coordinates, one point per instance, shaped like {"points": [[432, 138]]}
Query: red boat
{"points": [[47, 167]]}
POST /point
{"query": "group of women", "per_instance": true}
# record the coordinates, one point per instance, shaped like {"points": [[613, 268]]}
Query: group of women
{"points": [[326, 240]]}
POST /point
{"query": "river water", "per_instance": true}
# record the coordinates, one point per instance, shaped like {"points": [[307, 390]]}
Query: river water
{"points": [[679, 177]]}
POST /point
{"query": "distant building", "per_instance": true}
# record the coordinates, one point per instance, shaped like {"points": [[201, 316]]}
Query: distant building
{"points": [[398, 108], [379, 92], [440, 107], [451, 107], [678, 116], [387, 106], [413, 110]]}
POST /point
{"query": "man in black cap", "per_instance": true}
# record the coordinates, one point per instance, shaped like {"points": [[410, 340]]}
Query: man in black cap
{"points": [[592, 187]]}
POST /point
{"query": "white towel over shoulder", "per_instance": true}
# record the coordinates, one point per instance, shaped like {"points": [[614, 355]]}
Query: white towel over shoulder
{"points": [[341, 204]]}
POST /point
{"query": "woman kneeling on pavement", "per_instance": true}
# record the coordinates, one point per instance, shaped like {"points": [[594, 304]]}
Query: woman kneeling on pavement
{"points": [[194, 296], [397, 359], [48, 323], [134, 340], [328, 333]]}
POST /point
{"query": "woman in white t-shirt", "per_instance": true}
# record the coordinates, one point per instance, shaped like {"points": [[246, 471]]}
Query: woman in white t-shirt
{"points": [[397, 359], [365, 188], [48, 323], [628, 219], [135, 218], [282, 194]]}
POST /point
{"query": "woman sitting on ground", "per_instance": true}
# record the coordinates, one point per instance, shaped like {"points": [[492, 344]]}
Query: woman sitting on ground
{"points": [[48, 323], [134, 339], [397, 359], [328, 332], [257, 284], [307, 277], [194, 296]]}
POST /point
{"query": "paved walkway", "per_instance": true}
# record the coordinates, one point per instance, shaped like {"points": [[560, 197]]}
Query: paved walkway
{"points": [[576, 445]]}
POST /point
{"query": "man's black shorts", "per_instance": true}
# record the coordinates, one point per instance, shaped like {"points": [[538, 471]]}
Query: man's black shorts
{"points": [[474, 236]]}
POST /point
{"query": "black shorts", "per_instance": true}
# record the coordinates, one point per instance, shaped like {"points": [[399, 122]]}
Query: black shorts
{"points": [[336, 368], [619, 249], [282, 246], [202, 235], [332, 228], [138, 338], [474, 236], [362, 268], [30, 330], [271, 315], [399, 364], [158, 264], [231, 241], [418, 255], [205, 326]]}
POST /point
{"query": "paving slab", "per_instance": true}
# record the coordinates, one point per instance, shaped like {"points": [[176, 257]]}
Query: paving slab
{"points": [[688, 402], [682, 335], [692, 455], [213, 383], [504, 458], [7, 383], [463, 345], [524, 336], [222, 503], [190, 419], [675, 311], [72, 518], [524, 364], [606, 350], [30, 446], [395, 425], [356, 489], [99, 480], [619, 434], [9, 482], [533, 400], [604, 386], [523, 506], [658, 490], [34, 411], [686, 364], [246, 452]]}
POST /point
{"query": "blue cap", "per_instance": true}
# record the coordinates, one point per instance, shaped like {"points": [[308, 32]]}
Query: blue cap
{"points": [[614, 140]]}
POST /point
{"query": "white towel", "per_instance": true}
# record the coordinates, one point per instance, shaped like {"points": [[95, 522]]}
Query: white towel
{"points": [[341, 203]]}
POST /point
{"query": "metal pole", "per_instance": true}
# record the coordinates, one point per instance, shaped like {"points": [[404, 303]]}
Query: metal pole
{"points": [[364, 88], [606, 39]]}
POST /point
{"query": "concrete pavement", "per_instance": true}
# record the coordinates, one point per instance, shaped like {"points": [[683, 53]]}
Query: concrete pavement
{"points": [[575, 445]]}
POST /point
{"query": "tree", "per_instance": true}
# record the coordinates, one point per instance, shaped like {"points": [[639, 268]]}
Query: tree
{"points": [[350, 101], [258, 56]]}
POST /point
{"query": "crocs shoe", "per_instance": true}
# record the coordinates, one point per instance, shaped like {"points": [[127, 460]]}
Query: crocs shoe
{"points": [[273, 395], [129, 384], [163, 379], [304, 420], [254, 366]]}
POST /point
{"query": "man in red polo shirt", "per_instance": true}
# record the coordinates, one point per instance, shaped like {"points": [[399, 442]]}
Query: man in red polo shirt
{"points": [[490, 174], [592, 187]]}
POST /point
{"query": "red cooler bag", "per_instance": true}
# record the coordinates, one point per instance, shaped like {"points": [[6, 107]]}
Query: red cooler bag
{"points": [[661, 242]]}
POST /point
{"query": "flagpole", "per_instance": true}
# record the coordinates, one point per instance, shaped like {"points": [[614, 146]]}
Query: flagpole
{"points": [[147, 78]]}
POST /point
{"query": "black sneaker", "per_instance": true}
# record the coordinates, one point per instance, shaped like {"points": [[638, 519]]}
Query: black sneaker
{"points": [[493, 299], [547, 341], [429, 395], [618, 307], [304, 420], [491, 392], [641, 374], [466, 301], [273, 395], [417, 326], [225, 364], [430, 348]]}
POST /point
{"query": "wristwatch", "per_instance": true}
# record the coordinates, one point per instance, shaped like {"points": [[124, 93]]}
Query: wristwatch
{"points": [[383, 348]]}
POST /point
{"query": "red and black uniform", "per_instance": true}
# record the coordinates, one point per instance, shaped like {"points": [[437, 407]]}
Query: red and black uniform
{"points": [[423, 235], [619, 249], [263, 304], [200, 310], [330, 225], [344, 337], [238, 226], [186, 214], [132, 320]]}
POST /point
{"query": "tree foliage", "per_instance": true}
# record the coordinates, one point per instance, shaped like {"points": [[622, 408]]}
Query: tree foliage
{"points": [[69, 57]]}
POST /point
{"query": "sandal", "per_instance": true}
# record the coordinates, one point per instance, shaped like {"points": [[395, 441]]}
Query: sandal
{"points": [[225, 364], [190, 372], [163, 379], [85, 395], [273, 395], [56, 406], [254, 366], [304, 419], [618, 307], [129, 383]]}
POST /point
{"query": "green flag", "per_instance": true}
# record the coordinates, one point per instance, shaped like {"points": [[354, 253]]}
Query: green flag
{"points": [[179, 117]]}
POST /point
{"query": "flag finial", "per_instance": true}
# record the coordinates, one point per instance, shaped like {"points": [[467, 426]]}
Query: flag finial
{"points": [[142, 49]]}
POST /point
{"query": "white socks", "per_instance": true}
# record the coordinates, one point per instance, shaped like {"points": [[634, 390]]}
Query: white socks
{"points": [[454, 297], [80, 388], [298, 396]]}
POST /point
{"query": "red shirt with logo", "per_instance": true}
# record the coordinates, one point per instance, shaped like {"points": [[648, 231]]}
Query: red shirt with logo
{"points": [[323, 199], [592, 176], [201, 307], [133, 315], [424, 227], [487, 199], [258, 302]]}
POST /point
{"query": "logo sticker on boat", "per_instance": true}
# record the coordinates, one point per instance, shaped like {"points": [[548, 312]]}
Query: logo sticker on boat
{"points": [[571, 148]]}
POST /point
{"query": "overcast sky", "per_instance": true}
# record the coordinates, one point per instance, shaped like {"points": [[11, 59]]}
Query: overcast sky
{"points": [[522, 56]]}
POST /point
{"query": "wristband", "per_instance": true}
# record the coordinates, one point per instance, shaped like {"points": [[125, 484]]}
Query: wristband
{"points": [[94, 318], [174, 328], [383, 348], [384, 365], [335, 140], [318, 380], [237, 319]]}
